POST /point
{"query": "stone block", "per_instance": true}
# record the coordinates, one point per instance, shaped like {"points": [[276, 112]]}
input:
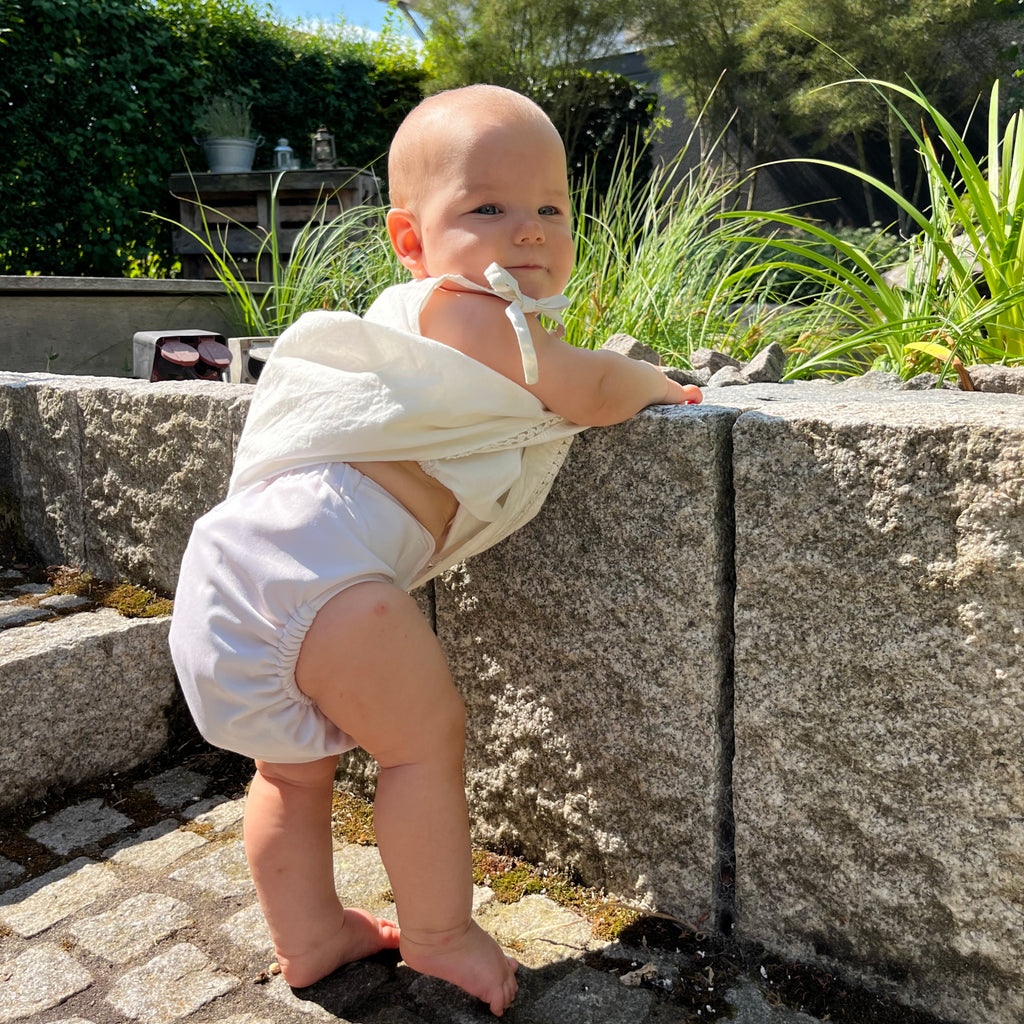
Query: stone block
{"points": [[42, 902], [727, 377], [155, 457], [110, 474], [172, 985], [78, 826], [133, 927], [711, 359], [588, 648], [38, 980], [993, 377], [81, 697], [768, 366], [42, 460], [592, 997], [879, 691]]}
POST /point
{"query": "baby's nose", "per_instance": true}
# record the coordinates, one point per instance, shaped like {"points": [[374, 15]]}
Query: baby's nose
{"points": [[531, 230]]}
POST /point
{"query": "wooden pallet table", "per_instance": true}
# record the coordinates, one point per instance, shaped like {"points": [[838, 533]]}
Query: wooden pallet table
{"points": [[239, 209]]}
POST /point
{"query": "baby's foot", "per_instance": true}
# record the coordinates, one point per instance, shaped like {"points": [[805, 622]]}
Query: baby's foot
{"points": [[361, 934], [468, 958]]}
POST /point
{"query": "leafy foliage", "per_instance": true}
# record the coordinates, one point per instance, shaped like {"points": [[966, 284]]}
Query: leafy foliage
{"points": [[542, 49], [812, 45], [515, 42], [100, 105], [961, 294], [603, 119], [81, 111], [762, 63], [668, 261], [656, 259]]}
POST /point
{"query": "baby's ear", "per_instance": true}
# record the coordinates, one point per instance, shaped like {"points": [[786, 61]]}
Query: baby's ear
{"points": [[404, 232]]}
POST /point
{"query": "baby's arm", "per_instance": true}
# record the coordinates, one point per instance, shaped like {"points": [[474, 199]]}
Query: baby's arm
{"points": [[589, 387]]}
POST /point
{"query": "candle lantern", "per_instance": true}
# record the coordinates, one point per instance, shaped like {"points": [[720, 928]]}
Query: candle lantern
{"points": [[324, 154], [284, 156]]}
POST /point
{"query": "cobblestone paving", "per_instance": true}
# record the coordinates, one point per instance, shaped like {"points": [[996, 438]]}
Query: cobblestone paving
{"points": [[139, 907]]}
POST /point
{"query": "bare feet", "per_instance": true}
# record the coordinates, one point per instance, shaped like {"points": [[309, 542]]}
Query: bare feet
{"points": [[469, 958], [361, 934]]}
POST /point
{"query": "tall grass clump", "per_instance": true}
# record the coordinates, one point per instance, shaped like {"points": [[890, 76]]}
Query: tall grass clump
{"points": [[657, 260], [336, 262], [961, 295]]}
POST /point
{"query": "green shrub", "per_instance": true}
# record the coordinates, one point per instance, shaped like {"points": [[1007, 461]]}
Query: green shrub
{"points": [[90, 98], [604, 120]]}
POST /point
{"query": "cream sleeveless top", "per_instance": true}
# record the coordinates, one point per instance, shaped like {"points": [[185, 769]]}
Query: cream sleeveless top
{"points": [[340, 388]]}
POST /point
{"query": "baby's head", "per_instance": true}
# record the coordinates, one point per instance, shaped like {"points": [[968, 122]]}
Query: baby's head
{"points": [[478, 176]]}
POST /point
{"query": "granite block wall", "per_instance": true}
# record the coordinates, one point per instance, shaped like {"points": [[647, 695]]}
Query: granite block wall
{"points": [[758, 663], [879, 692]]}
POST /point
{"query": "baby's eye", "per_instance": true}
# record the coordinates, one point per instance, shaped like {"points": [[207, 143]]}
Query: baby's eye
{"points": [[488, 208], [549, 211]]}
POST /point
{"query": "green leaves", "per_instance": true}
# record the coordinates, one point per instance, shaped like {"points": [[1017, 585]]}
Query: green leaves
{"points": [[657, 260], [963, 289]]}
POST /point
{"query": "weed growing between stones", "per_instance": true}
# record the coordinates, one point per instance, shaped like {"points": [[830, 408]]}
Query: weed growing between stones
{"points": [[131, 601], [352, 819], [209, 832], [512, 879]]}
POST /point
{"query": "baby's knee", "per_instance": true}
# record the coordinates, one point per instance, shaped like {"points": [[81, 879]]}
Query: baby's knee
{"points": [[306, 775], [435, 732]]}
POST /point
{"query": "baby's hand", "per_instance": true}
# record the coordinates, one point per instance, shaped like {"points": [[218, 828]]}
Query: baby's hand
{"points": [[681, 394]]}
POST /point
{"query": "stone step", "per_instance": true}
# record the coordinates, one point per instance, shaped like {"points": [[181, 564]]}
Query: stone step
{"points": [[81, 696]]}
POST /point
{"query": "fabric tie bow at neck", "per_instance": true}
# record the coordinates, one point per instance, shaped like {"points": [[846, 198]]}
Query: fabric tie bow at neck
{"points": [[506, 286]]}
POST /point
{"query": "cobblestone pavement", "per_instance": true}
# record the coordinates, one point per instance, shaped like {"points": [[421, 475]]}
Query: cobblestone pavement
{"points": [[132, 902]]}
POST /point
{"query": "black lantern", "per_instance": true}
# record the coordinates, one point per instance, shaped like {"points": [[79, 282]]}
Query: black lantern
{"points": [[324, 154]]}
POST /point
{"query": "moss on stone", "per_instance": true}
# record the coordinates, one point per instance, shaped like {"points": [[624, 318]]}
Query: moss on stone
{"points": [[511, 879], [352, 820], [128, 599], [136, 602]]}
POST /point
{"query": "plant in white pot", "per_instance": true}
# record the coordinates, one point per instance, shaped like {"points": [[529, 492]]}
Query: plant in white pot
{"points": [[225, 132]]}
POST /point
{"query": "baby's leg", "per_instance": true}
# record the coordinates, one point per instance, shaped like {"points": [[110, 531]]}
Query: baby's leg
{"points": [[374, 668], [288, 844]]}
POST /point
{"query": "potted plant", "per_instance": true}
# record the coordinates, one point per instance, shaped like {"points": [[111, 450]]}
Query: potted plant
{"points": [[225, 132]]}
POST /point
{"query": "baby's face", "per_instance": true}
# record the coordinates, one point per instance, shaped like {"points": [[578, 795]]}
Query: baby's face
{"points": [[502, 197]]}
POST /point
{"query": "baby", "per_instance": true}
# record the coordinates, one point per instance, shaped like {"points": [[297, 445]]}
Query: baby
{"points": [[377, 452]]}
